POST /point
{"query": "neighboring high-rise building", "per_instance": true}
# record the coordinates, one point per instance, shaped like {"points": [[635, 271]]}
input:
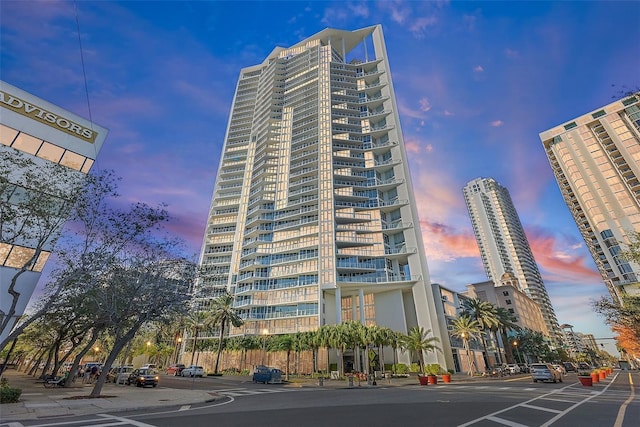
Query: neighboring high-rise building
{"points": [[45, 133], [504, 247], [313, 219], [508, 296], [596, 161]]}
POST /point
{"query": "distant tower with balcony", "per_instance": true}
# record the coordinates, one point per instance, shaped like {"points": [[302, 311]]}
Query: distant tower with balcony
{"points": [[504, 247], [313, 218]]}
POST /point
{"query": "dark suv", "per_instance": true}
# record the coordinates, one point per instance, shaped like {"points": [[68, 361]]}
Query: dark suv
{"points": [[143, 377]]}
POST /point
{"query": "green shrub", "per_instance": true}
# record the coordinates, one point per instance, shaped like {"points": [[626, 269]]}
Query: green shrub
{"points": [[414, 367], [8, 394], [433, 369], [401, 368]]}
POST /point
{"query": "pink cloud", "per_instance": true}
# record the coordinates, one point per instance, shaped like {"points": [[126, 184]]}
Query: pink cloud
{"points": [[443, 243], [496, 123], [411, 146], [561, 264], [478, 69]]}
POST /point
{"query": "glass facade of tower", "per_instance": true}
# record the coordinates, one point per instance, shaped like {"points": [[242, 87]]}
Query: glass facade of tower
{"points": [[312, 220], [596, 161], [44, 133], [504, 247]]}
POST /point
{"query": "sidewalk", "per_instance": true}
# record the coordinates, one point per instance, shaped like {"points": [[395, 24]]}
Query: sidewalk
{"points": [[38, 402]]}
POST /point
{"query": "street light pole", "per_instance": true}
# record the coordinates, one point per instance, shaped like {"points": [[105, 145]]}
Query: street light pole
{"points": [[515, 344], [264, 344], [179, 341]]}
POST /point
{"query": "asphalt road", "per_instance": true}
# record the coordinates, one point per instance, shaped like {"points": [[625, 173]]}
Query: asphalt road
{"points": [[492, 403]]}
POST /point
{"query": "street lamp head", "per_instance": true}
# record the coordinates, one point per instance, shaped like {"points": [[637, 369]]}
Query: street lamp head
{"points": [[179, 340], [515, 343], [148, 343], [96, 349], [265, 331]]}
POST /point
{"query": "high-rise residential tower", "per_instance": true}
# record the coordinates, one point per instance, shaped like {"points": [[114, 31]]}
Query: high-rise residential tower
{"points": [[504, 247], [313, 219], [596, 161]]}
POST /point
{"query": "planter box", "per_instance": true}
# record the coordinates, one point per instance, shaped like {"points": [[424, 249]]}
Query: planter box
{"points": [[446, 378], [432, 379], [586, 381], [423, 380]]}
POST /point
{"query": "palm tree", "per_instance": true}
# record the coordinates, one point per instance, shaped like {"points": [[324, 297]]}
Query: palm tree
{"points": [[506, 322], [224, 313], [322, 338], [284, 343], [418, 341], [485, 314], [466, 328], [339, 338], [385, 336], [197, 320]]}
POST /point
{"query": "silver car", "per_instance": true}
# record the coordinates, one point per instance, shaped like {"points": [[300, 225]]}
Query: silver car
{"points": [[545, 372], [192, 371]]}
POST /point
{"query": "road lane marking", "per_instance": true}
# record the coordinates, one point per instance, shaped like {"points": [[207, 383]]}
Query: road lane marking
{"points": [[558, 400], [468, 423], [184, 408], [623, 407], [506, 422], [126, 420], [571, 408], [540, 408]]}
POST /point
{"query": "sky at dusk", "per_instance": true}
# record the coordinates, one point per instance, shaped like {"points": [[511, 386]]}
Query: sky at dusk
{"points": [[476, 82]]}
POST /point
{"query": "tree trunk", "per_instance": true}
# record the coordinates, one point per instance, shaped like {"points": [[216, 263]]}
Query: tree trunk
{"points": [[221, 341], [6, 358], [195, 340], [288, 358], [79, 356], [118, 345]]}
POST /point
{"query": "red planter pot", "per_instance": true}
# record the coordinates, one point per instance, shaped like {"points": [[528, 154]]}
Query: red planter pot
{"points": [[432, 379], [423, 380], [446, 378], [602, 375], [586, 381], [595, 377]]}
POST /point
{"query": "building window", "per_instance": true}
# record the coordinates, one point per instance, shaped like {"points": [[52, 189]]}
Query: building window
{"points": [[508, 302], [505, 293], [570, 125], [512, 311], [598, 114]]}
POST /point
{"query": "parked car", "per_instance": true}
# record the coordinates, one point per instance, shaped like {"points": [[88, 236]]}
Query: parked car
{"points": [[524, 368], [143, 377], [545, 372], [570, 367], [513, 369], [148, 366], [119, 374], [265, 374], [193, 371], [584, 366], [560, 368], [175, 369]]}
